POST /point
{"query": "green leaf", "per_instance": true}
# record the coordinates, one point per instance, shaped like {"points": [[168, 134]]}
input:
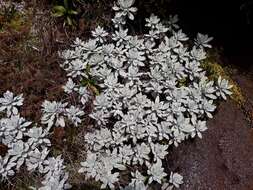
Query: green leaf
{"points": [[58, 14], [59, 8], [88, 69], [72, 12], [69, 21]]}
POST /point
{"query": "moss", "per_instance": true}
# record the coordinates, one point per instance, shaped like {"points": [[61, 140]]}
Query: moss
{"points": [[17, 23], [14, 21], [182, 82], [214, 70]]}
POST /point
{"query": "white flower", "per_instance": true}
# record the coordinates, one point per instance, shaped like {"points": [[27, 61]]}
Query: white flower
{"points": [[193, 69], [73, 113], [133, 74], [53, 165], [183, 54], [100, 73], [56, 182], [116, 63], [152, 21], [84, 95], [127, 153], [178, 70], [70, 86], [90, 166], [37, 136], [152, 35], [223, 88], [99, 34], [111, 82], [6, 168], [200, 126], [124, 8], [15, 126], [78, 42], [53, 111], [56, 179], [90, 46], [101, 117], [121, 36], [135, 42], [9, 102], [158, 107], [198, 53], [119, 20], [206, 87], [102, 102], [136, 57], [19, 150], [177, 137], [137, 182], [108, 179], [154, 87], [159, 151], [156, 172], [176, 179], [207, 107], [203, 40], [141, 153], [161, 28], [36, 159], [180, 36], [164, 130], [181, 124], [96, 59], [173, 20], [76, 68]]}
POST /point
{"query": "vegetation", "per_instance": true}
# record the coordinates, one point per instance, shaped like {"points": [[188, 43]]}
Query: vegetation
{"points": [[73, 114], [67, 11]]}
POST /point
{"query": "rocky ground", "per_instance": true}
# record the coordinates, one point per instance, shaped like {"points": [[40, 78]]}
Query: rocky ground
{"points": [[223, 159]]}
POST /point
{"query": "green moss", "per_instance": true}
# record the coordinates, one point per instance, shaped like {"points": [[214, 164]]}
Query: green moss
{"points": [[214, 70], [182, 82], [17, 23], [14, 20]]}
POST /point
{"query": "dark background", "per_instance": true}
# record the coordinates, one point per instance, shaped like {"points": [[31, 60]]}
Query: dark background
{"points": [[228, 21]]}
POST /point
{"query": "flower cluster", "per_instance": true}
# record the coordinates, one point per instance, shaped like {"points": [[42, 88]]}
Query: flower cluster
{"points": [[9, 103], [54, 113], [155, 94], [27, 145]]}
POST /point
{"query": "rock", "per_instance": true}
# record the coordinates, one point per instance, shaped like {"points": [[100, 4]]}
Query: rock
{"points": [[223, 159]]}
